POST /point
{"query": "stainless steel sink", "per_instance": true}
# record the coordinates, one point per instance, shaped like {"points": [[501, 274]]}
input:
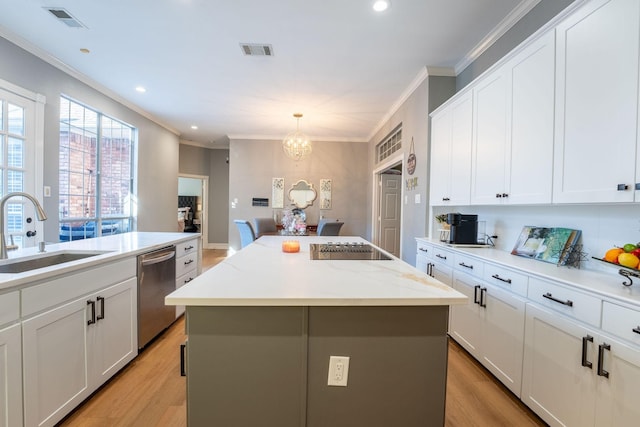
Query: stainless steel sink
{"points": [[21, 265]]}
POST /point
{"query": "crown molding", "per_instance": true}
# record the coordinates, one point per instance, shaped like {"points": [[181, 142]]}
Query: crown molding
{"points": [[503, 26], [52, 60]]}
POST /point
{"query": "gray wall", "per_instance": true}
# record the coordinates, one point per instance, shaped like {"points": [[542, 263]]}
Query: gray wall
{"points": [[157, 181], [211, 163], [253, 163], [413, 114], [542, 13]]}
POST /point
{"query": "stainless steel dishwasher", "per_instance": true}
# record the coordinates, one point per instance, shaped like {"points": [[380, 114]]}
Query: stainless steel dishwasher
{"points": [[156, 279]]}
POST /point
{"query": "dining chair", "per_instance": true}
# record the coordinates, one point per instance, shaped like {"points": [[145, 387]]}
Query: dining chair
{"points": [[247, 235], [262, 226], [329, 227]]}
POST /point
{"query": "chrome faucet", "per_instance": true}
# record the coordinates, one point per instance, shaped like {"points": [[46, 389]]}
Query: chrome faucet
{"points": [[39, 214]]}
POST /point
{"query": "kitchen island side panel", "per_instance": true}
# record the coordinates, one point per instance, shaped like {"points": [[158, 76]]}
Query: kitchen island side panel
{"points": [[397, 366], [245, 366], [268, 366]]}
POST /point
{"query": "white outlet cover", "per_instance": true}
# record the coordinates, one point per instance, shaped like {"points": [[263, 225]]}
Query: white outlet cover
{"points": [[338, 371]]}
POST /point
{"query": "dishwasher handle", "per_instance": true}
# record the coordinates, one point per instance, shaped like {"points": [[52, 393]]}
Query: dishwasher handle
{"points": [[157, 259]]}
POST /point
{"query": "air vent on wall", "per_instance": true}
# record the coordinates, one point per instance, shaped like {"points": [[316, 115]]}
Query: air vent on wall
{"points": [[65, 17], [254, 49]]}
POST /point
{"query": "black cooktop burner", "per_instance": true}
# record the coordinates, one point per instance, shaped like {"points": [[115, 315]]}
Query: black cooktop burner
{"points": [[346, 251]]}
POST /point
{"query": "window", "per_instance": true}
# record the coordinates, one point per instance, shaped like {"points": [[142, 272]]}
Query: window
{"points": [[96, 173], [391, 144], [17, 165]]}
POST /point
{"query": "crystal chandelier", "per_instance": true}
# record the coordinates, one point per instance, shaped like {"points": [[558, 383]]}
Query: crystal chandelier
{"points": [[297, 145]]}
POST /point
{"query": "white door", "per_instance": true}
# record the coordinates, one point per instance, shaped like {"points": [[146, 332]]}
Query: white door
{"points": [[18, 165], [10, 377], [617, 404], [390, 210], [503, 335], [465, 327], [555, 384], [489, 150], [596, 108], [56, 363], [116, 335]]}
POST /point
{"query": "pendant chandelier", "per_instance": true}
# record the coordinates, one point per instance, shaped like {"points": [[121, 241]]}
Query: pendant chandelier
{"points": [[297, 145]]}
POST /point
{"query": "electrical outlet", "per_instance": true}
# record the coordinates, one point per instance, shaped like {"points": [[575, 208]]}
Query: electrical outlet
{"points": [[338, 371]]}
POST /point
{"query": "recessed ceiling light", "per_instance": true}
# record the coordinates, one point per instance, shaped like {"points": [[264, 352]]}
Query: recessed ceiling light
{"points": [[85, 50], [381, 5], [140, 89], [194, 127]]}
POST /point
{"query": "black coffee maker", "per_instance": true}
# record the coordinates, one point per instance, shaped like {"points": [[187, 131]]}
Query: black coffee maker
{"points": [[464, 228]]}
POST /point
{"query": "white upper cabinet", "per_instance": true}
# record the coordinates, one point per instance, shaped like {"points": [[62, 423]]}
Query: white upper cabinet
{"points": [[530, 164], [489, 148], [451, 153], [596, 107], [513, 129]]}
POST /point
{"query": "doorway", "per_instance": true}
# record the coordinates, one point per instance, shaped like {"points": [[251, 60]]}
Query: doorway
{"points": [[192, 193], [388, 206]]}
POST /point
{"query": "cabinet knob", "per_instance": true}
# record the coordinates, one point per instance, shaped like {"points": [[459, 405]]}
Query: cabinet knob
{"points": [[624, 187], [505, 195], [445, 199], [498, 195]]}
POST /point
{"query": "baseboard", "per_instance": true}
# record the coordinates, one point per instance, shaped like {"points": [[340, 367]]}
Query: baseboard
{"points": [[224, 246]]}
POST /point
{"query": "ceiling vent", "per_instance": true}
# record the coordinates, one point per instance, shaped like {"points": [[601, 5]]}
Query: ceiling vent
{"points": [[254, 49], [65, 17]]}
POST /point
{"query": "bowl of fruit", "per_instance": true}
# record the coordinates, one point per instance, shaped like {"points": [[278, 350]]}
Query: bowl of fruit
{"points": [[626, 256]]}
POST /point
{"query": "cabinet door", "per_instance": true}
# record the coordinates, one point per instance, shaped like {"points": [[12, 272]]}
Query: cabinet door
{"points": [[440, 175], [56, 363], [465, 325], [529, 168], [489, 139], [116, 334], [597, 103], [555, 385], [461, 140], [503, 336], [617, 403], [10, 377], [451, 153]]}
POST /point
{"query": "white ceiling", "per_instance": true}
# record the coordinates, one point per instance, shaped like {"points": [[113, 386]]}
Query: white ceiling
{"points": [[337, 61]]}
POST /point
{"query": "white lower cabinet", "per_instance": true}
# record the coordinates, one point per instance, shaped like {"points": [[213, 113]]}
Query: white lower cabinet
{"points": [[490, 327], [71, 350], [575, 375], [10, 376], [188, 261]]}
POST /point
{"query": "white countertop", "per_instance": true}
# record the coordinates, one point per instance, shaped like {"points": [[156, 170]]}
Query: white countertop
{"points": [[606, 282], [115, 247], [262, 275]]}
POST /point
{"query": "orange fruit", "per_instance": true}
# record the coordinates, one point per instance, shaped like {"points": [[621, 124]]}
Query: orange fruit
{"points": [[612, 254], [628, 260]]}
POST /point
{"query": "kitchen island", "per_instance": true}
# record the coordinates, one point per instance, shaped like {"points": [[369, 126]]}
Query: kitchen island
{"points": [[263, 324]]}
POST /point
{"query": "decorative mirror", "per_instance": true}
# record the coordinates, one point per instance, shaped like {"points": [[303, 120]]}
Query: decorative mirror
{"points": [[302, 194]]}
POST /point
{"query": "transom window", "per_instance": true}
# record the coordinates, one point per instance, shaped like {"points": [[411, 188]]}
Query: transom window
{"points": [[391, 144], [96, 173]]}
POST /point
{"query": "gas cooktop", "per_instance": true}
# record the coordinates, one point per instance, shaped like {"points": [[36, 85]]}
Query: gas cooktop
{"points": [[346, 251]]}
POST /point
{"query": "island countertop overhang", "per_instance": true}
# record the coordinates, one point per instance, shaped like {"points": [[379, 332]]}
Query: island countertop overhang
{"points": [[262, 275]]}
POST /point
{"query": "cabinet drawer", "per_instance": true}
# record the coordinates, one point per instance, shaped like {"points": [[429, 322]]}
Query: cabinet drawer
{"points": [[186, 264], [621, 321], [571, 302], [9, 307], [185, 278], [469, 265], [424, 250], [506, 278], [442, 256], [188, 247]]}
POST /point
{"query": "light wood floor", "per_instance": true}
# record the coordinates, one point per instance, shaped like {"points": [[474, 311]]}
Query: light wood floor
{"points": [[151, 392]]}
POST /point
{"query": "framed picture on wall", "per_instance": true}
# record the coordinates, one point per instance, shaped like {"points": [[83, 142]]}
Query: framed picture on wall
{"points": [[325, 194], [277, 193]]}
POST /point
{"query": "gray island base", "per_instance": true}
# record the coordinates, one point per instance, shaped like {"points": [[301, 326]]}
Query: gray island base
{"points": [[263, 326], [268, 366]]}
